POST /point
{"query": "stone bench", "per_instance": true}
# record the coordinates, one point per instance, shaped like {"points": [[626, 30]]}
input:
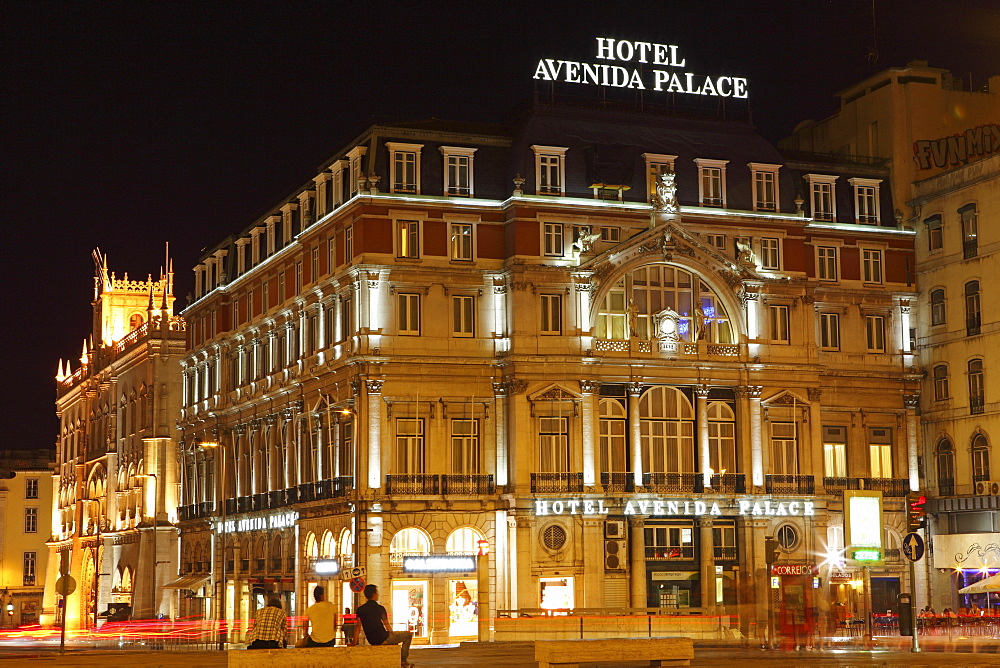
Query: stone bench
{"points": [[373, 656], [571, 653]]}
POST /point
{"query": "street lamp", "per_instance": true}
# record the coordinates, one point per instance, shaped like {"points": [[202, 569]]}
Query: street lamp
{"points": [[221, 497], [156, 493]]}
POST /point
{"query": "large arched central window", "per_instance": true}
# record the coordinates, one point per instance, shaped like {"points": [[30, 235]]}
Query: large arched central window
{"points": [[667, 422], [660, 300]]}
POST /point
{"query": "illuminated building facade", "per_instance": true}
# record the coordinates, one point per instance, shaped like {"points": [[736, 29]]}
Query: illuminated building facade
{"points": [[25, 518], [615, 345], [115, 499]]}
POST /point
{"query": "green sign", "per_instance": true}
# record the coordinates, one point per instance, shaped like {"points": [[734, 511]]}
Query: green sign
{"points": [[867, 555]]}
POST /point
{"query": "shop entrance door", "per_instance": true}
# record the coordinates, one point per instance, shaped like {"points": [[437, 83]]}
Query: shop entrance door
{"points": [[884, 592]]}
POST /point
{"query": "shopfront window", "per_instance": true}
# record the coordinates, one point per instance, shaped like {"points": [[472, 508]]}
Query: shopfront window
{"points": [[409, 606], [463, 610], [556, 593]]}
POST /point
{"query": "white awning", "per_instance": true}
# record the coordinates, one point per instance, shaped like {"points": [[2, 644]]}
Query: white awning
{"points": [[991, 583], [192, 582]]}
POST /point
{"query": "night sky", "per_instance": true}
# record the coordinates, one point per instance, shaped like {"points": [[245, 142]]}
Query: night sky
{"points": [[129, 124]]}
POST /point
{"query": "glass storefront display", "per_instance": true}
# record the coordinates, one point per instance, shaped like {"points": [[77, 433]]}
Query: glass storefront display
{"points": [[463, 609], [409, 607], [556, 593]]}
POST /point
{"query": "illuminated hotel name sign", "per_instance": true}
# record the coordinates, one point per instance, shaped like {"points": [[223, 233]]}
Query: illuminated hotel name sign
{"points": [[638, 75], [258, 523], [766, 508]]}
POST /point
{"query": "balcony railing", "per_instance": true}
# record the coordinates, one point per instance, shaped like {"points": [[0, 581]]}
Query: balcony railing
{"points": [[670, 553], [556, 483], [413, 483], [396, 558], [29, 580], [977, 404], [672, 483], [725, 553], [730, 483], [468, 485], [970, 248], [891, 554], [789, 484], [616, 481], [973, 325], [888, 486]]}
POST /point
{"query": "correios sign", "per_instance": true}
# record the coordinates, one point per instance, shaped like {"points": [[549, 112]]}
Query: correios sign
{"points": [[648, 66]]}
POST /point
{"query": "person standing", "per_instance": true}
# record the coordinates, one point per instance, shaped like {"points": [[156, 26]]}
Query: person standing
{"points": [[348, 624], [375, 622], [322, 621], [268, 631]]}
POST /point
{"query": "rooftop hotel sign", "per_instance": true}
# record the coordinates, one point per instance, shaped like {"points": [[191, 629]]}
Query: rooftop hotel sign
{"points": [[658, 67], [668, 507]]}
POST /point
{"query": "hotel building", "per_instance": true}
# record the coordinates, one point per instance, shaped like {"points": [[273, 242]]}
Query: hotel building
{"points": [[624, 348]]}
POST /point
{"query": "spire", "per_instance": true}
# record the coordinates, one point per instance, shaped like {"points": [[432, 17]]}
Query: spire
{"points": [[61, 374], [85, 355]]}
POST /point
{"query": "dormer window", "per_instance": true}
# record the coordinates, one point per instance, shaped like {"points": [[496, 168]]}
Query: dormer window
{"points": [[354, 160], [765, 186], [821, 197], [458, 171], [712, 182], [405, 164], [550, 169], [656, 164], [866, 200]]}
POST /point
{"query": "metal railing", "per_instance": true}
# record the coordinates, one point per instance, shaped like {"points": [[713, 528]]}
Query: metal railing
{"points": [[973, 325], [556, 483], [670, 553], [467, 484], [970, 248], [888, 486], [412, 483], [730, 483], [977, 404], [725, 553], [789, 484], [673, 483], [616, 481], [946, 486]]}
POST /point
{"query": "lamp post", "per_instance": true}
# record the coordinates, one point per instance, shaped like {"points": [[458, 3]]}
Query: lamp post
{"points": [[222, 536], [156, 493]]}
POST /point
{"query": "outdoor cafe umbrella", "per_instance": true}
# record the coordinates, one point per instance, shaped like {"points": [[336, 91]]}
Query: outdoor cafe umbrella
{"points": [[991, 583]]}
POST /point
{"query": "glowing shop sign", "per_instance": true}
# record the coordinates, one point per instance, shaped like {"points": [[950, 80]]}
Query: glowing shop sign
{"points": [[439, 564], [866, 555], [640, 75], [326, 567], [747, 507], [258, 523]]}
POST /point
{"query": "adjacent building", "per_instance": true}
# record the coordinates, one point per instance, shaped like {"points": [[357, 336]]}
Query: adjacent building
{"points": [[623, 348], [114, 506], [25, 525]]}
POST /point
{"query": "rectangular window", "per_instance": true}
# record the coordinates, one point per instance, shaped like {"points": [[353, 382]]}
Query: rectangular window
{"points": [[28, 579], [463, 315], [656, 165], [670, 542], [829, 331], [612, 439], [765, 188], [31, 488], [770, 254], [553, 239], [821, 197], [461, 241], [348, 244], [298, 278], [970, 230], [466, 457], [835, 452], [711, 186], [458, 171], [314, 265], [613, 316], [549, 175], [331, 255], [941, 389], [611, 234], [410, 451], [404, 172], [826, 263], [880, 451], [346, 318], [408, 239], [717, 241], [973, 309], [784, 453], [553, 444], [779, 323], [30, 520], [871, 264], [551, 314], [937, 307], [875, 330], [866, 200], [935, 235], [409, 314]]}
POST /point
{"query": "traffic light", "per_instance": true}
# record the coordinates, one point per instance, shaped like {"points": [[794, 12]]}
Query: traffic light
{"points": [[770, 550], [916, 512]]}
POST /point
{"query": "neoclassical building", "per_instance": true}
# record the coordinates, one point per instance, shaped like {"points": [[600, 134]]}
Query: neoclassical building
{"points": [[116, 486], [624, 348]]}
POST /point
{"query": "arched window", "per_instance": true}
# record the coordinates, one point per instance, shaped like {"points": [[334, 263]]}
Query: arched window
{"points": [[977, 387], [667, 428], [938, 312], [410, 541], [662, 301], [312, 547], [980, 458], [464, 540], [135, 322], [346, 542], [941, 389], [614, 458], [973, 315], [946, 467], [721, 438], [328, 546]]}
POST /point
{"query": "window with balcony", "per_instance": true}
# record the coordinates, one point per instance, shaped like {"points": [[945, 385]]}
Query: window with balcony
{"points": [[463, 315], [553, 244], [821, 196], [721, 438], [938, 310], [835, 451], [458, 171], [765, 186], [829, 331], [935, 235], [880, 452], [941, 389], [461, 242], [405, 161], [724, 540], [977, 387], [408, 314], [871, 265], [466, 454], [875, 333], [666, 420], [980, 458], [866, 204], [553, 444], [410, 454], [973, 312], [780, 332], [613, 452], [826, 263], [28, 570], [970, 230], [784, 449], [550, 169], [770, 254], [945, 467], [712, 182], [551, 322], [673, 542]]}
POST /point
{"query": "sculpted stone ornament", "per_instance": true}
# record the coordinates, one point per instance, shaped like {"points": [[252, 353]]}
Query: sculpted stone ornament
{"points": [[665, 197], [744, 254], [584, 243]]}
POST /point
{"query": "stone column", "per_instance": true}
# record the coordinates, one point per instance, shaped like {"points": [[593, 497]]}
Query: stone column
{"points": [[756, 440], [637, 565], [635, 430], [527, 587], [500, 403], [912, 401], [593, 563], [706, 550], [701, 408], [814, 459], [588, 389], [758, 579], [437, 609], [374, 420]]}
